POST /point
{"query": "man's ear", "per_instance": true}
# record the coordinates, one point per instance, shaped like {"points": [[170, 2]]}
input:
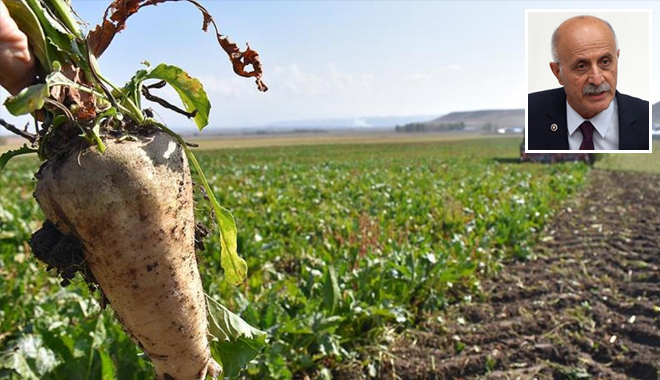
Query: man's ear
{"points": [[617, 54], [554, 66]]}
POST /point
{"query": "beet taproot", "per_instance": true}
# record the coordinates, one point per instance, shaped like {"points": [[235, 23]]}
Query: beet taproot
{"points": [[131, 208]]}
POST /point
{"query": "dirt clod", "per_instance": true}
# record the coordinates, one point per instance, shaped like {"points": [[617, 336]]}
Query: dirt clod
{"points": [[64, 253]]}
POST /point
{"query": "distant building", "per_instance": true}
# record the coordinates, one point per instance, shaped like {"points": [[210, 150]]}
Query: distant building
{"points": [[511, 130]]}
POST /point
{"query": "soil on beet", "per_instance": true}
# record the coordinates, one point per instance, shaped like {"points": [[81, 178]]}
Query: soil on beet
{"points": [[587, 308], [60, 252]]}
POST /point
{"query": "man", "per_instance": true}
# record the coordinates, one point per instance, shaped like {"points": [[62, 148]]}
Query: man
{"points": [[587, 113], [17, 63]]}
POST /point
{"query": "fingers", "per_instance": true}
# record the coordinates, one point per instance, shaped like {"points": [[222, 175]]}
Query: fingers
{"points": [[17, 64]]}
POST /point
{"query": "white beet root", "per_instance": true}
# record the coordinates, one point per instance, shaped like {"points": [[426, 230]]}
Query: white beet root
{"points": [[132, 210]]}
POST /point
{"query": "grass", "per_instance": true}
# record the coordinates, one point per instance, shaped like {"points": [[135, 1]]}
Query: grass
{"points": [[344, 242], [339, 137], [642, 162]]}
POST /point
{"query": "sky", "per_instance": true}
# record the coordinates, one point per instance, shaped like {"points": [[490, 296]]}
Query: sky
{"points": [[340, 59]]}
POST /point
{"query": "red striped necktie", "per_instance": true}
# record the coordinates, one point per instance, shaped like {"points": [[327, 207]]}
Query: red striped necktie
{"points": [[587, 130]]}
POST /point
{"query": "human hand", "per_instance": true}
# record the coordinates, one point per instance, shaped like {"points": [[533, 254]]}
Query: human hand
{"points": [[17, 63]]}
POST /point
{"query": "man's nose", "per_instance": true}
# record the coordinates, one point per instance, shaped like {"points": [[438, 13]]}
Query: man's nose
{"points": [[596, 75]]}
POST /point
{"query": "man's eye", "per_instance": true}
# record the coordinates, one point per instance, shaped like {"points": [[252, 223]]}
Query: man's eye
{"points": [[606, 61], [581, 66]]}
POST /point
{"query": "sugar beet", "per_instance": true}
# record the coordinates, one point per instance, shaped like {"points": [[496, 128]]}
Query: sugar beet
{"points": [[132, 210]]}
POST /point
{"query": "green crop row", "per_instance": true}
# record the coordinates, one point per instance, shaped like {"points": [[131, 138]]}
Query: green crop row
{"points": [[345, 244]]}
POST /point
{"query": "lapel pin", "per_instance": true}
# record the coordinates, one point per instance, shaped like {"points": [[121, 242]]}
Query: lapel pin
{"points": [[553, 127]]}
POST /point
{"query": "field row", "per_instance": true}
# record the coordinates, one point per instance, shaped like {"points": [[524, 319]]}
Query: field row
{"points": [[345, 245]]}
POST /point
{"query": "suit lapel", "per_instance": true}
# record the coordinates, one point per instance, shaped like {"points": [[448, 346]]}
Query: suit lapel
{"points": [[629, 130], [555, 127]]}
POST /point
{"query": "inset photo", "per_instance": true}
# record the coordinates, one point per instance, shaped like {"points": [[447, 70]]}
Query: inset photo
{"points": [[588, 80]]}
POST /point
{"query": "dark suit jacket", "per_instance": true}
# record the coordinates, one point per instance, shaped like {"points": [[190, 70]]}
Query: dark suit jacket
{"points": [[546, 108]]}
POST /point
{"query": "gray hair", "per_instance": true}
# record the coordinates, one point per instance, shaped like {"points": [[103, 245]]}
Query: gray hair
{"points": [[555, 38]]}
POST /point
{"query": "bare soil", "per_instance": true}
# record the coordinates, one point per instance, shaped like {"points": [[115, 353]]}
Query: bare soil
{"points": [[587, 308]]}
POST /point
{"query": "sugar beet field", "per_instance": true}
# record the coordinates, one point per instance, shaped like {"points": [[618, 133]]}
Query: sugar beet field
{"points": [[437, 260]]}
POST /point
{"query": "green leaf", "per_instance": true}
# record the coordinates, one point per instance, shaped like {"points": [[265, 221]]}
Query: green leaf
{"points": [[190, 91], [331, 292], [29, 349], [99, 334], [46, 361], [29, 24], [235, 342], [28, 100], [57, 36], [63, 12], [95, 137], [59, 120], [58, 343], [107, 366], [14, 360], [133, 89], [234, 266], [8, 155]]}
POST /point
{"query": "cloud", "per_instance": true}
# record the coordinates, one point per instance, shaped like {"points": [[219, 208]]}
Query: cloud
{"points": [[441, 72], [420, 76], [299, 92], [292, 79], [228, 87], [452, 68]]}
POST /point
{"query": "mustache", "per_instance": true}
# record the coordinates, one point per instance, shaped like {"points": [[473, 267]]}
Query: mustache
{"points": [[591, 89]]}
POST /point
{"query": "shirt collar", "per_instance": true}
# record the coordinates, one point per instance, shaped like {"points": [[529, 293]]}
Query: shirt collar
{"points": [[601, 122]]}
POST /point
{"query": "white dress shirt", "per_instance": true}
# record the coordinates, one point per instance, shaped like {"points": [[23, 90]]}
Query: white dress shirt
{"points": [[606, 125]]}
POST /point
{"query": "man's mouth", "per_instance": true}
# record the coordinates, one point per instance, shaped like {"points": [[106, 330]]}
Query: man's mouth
{"points": [[597, 96]]}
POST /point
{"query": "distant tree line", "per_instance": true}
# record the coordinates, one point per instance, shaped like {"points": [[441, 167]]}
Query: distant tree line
{"points": [[284, 132], [428, 127]]}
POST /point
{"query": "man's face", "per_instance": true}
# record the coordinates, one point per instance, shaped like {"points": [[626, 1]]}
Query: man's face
{"points": [[587, 65]]}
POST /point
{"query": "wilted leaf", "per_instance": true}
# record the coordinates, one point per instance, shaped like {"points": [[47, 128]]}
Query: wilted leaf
{"points": [[71, 91], [120, 10], [67, 95]]}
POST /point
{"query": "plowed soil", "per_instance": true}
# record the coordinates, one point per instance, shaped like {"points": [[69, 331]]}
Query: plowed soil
{"points": [[587, 308]]}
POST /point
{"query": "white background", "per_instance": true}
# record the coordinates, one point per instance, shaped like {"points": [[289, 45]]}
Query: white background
{"points": [[632, 30]]}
